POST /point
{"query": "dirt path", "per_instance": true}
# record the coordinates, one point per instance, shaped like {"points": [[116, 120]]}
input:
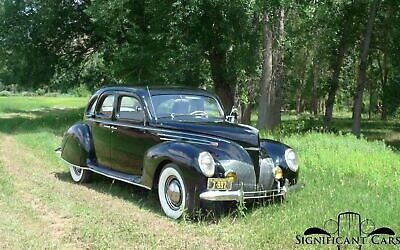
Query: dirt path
{"points": [[58, 208]]}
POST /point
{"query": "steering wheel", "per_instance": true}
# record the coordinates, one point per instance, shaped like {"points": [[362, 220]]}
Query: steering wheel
{"points": [[199, 112]]}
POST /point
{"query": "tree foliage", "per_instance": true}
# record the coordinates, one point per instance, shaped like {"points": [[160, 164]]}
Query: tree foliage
{"points": [[214, 44]]}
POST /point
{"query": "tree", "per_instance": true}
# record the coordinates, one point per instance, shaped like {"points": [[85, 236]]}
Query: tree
{"points": [[346, 38], [362, 69], [271, 84], [37, 35]]}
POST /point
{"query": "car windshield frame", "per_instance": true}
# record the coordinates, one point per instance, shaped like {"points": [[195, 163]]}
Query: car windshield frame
{"points": [[182, 96]]}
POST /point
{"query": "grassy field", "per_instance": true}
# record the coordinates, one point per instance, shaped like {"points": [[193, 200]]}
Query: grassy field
{"points": [[41, 208]]}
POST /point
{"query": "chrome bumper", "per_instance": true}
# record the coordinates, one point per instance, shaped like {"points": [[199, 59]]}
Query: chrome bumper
{"points": [[240, 195]]}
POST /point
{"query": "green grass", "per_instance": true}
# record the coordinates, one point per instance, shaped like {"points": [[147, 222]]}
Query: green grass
{"points": [[374, 129], [41, 208], [27, 104]]}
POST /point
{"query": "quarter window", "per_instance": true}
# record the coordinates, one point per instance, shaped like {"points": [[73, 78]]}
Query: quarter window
{"points": [[129, 108], [106, 108]]}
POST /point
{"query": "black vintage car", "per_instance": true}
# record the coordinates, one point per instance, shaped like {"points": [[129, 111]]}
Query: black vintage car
{"points": [[178, 142]]}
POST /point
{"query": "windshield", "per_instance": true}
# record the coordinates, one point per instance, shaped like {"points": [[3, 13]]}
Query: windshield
{"points": [[196, 106]]}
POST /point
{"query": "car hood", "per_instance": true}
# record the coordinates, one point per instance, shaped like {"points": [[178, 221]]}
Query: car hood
{"points": [[244, 135]]}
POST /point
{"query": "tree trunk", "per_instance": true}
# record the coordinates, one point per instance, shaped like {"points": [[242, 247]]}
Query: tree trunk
{"points": [[371, 106], [362, 69], [337, 61], [265, 102], [247, 107], [314, 98], [299, 108], [226, 95], [222, 85], [383, 72], [333, 88], [271, 83], [384, 87], [246, 114]]}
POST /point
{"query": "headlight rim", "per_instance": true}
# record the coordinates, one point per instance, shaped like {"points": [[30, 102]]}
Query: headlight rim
{"points": [[289, 163], [204, 170]]}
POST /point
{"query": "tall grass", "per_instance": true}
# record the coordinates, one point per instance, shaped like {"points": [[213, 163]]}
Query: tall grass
{"points": [[340, 172]]}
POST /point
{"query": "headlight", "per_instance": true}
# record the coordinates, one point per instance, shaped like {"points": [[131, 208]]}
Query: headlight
{"points": [[291, 159], [207, 164]]}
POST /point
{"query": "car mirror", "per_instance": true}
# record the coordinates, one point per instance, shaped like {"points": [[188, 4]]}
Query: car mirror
{"points": [[233, 116], [90, 115]]}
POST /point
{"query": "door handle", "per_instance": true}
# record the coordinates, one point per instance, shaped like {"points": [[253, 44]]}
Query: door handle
{"points": [[105, 126], [113, 127]]}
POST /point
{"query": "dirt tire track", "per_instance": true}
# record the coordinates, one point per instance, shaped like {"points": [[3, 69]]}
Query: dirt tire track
{"points": [[153, 223]]}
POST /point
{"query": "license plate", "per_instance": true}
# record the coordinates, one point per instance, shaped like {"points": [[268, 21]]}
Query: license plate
{"points": [[219, 184]]}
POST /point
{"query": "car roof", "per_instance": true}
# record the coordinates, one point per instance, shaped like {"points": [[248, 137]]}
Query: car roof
{"points": [[163, 90]]}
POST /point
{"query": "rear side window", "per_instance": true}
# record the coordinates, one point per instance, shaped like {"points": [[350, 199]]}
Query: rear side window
{"points": [[91, 107], [129, 108], [106, 106]]}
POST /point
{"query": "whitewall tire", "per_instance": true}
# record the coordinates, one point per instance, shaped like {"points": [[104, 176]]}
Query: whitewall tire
{"points": [[172, 191], [80, 175]]}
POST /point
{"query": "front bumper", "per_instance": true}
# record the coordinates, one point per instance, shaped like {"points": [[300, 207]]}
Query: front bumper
{"points": [[240, 195]]}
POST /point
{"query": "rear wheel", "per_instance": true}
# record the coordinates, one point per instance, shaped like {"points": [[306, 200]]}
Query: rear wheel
{"points": [[172, 191], [80, 175]]}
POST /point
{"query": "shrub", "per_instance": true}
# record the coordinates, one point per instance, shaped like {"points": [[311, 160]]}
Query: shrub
{"points": [[5, 93], [79, 91], [52, 94], [27, 93], [40, 92]]}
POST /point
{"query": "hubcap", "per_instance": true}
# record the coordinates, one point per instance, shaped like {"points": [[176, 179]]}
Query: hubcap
{"points": [[78, 171], [173, 193]]}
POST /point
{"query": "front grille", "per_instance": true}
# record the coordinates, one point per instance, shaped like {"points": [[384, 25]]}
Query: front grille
{"points": [[266, 179]]}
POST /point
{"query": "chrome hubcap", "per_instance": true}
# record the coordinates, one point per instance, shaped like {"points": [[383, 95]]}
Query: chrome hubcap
{"points": [[173, 193], [77, 171]]}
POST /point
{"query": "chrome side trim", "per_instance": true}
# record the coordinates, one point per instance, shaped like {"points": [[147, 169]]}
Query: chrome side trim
{"points": [[187, 139], [177, 133], [252, 149], [194, 142]]}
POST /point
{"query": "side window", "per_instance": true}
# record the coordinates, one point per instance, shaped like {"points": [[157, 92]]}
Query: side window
{"points": [[129, 108], [91, 107], [106, 106]]}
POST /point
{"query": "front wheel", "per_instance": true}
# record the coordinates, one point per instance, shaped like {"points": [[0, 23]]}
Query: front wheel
{"points": [[80, 175], [172, 191]]}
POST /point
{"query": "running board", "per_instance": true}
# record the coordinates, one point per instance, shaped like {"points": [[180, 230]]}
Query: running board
{"points": [[131, 179]]}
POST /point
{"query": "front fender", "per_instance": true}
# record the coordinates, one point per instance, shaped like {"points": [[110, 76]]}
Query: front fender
{"points": [[182, 154], [276, 150], [77, 146]]}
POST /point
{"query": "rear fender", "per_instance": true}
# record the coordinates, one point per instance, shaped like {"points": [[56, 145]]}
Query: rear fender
{"points": [[77, 146]]}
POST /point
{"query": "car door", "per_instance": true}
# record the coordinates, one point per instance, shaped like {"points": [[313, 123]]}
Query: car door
{"points": [[101, 128], [129, 140]]}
